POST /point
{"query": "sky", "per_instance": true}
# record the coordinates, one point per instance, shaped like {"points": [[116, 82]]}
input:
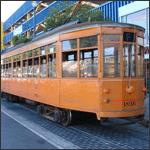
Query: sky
{"points": [[8, 8]]}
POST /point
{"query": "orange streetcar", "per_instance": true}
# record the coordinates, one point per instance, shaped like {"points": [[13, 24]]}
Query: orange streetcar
{"points": [[94, 67]]}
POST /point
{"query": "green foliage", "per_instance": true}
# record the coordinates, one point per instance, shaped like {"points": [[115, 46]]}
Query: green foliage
{"points": [[25, 55], [17, 39], [83, 13], [36, 52], [30, 54]]}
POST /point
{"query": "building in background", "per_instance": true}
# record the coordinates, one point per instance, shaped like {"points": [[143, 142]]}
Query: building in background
{"points": [[2, 36], [110, 9], [136, 13], [21, 21]]}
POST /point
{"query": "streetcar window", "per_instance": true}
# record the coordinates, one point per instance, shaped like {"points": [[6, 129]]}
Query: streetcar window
{"points": [[69, 44], [9, 70], [52, 65], [18, 69], [29, 54], [43, 50], [18, 57], [14, 70], [25, 55], [140, 61], [24, 70], [1, 70], [129, 58], [52, 48], [90, 41], [36, 67], [43, 67], [36, 52], [129, 37], [69, 64], [111, 38], [15, 58], [6, 61], [30, 68], [89, 63], [9, 59], [111, 60], [141, 41]]}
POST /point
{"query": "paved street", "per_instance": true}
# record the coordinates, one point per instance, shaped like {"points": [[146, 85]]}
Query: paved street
{"points": [[16, 136], [34, 131]]}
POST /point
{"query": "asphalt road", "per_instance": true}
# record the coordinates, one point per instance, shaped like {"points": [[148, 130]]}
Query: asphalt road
{"points": [[16, 136], [23, 128]]}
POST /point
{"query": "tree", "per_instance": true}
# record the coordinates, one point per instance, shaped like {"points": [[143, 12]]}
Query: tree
{"points": [[17, 39], [85, 13]]}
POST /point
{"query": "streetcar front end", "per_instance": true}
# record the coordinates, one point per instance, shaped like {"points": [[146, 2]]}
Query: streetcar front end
{"points": [[123, 83]]}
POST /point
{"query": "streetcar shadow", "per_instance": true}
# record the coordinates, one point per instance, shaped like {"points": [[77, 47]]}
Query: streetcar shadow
{"points": [[88, 122]]}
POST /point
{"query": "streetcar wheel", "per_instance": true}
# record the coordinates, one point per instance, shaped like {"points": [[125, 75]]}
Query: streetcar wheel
{"points": [[66, 118]]}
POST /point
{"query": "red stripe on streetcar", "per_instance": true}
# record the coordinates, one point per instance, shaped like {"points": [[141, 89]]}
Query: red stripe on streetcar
{"points": [[125, 100]]}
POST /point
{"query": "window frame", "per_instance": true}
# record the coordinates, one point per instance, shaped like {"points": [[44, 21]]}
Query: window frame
{"points": [[78, 54], [102, 50]]}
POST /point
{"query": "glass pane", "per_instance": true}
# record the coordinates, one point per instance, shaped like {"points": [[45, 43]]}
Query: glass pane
{"points": [[69, 67], [88, 41], [111, 38], [6, 70], [43, 50], [36, 52], [9, 72], [129, 37], [43, 70], [140, 61], [25, 55], [9, 59], [6, 60], [52, 65], [1, 70], [30, 71], [36, 70], [52, 48], [15, 72], [29, 54], [111, 60], [89, 63], [18, 57], [140, 41], [18, 71], [70, 44], [24, 68], [24, 71], [129, 58], [15, 58]]}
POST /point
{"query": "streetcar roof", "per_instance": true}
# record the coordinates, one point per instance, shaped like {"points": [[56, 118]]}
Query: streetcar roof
{"points": [[70, 27]]}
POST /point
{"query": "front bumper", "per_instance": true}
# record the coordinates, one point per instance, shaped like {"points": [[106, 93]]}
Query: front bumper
{"points": [[126, 113]]}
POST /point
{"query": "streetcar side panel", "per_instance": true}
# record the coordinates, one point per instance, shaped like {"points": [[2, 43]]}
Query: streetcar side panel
{"points": [[80, 95]]}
